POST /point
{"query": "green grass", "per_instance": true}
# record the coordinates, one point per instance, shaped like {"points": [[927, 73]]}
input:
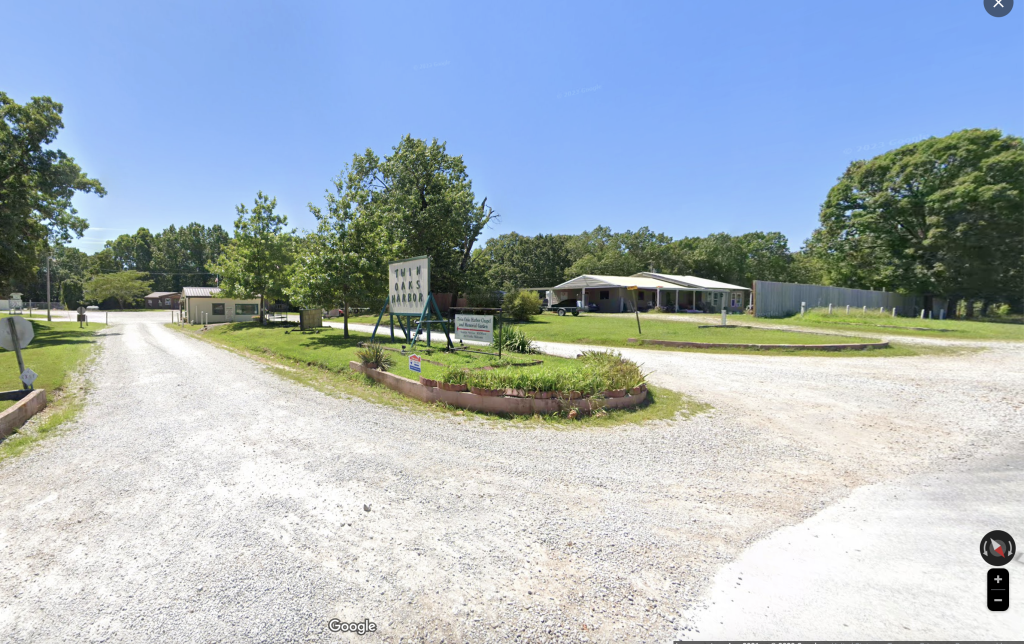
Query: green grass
{"points": [[320, 359], [876, 322], [55, 352], [613, 330]]}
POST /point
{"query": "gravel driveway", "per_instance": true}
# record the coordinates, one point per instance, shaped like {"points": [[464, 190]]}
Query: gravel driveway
{"points": [[200, 497]]}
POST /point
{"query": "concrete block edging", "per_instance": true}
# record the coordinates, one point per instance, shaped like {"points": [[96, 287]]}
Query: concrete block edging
{"points": [[493, 404], [19, 413]]}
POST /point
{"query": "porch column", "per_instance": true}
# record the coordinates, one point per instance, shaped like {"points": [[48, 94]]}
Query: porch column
{"points": [[677, 300]]}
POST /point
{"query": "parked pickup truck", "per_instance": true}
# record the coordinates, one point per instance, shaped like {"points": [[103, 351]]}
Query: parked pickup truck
{"points": [[571, 306]]}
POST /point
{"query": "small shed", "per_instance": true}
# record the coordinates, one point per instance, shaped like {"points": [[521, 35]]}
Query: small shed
{"points": [[202, 304], [162, 300]]}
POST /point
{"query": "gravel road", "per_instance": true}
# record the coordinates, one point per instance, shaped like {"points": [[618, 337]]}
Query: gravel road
{"points": [[200, 497]]}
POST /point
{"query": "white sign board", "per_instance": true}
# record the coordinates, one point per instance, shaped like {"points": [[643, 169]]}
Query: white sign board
{"points": [[476, 328], [23, 328], [28, 376], [409, 285], [414, 363]]}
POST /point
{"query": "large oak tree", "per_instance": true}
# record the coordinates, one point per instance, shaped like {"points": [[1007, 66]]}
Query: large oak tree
{"points": [[37, 184], [943, 216]]}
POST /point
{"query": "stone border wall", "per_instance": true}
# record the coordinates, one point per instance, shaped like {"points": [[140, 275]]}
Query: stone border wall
{"points": [[860, 346], [494, 404], [18, 414]]}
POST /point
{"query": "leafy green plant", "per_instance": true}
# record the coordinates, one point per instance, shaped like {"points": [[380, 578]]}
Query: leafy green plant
{"points": [[374, 353], [513, 338], [521, 306], [453, 374]]}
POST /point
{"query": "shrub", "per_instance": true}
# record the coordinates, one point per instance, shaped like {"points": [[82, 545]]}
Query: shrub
{"points": [[454, 375], [374, 353], [521, 306], [513, 338]]}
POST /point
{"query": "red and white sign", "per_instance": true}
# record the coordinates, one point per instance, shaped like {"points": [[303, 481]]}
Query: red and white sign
{"points": [[414, 363]]}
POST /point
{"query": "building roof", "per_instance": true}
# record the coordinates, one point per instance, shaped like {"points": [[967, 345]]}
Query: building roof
{"points": [[698, 283], [200, 291], [162, 293], [613, 281]]}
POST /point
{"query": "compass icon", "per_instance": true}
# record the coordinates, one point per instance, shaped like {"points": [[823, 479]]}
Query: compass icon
{"points": [[998, 548]]}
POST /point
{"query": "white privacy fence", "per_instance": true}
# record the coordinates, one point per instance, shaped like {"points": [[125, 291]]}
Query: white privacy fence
{"points": [[7, 305], [781, 299]]}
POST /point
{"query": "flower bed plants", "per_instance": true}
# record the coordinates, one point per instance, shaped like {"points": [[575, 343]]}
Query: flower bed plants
{"points": [[594, 380]]}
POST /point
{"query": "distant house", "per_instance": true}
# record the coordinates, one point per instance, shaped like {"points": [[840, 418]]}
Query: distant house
{"points": [[202, 304], [162, 300], [682, 293]]}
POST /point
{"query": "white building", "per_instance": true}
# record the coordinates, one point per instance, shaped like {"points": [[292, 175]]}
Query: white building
{"points": [[202, 304], [682, 293]]}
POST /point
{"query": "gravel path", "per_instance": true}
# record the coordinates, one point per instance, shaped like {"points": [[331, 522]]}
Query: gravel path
{"points": [[200, 497]]}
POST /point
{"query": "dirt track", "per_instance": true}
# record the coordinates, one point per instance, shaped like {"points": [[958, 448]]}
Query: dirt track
{"points": [[201, 497]]}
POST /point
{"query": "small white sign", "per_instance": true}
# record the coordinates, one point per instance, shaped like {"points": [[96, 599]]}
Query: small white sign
{"points": [[476, 328], [28, 376], [414, 363]]}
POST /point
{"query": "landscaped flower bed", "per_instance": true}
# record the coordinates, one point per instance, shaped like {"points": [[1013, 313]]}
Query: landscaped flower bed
{"points": [[593, 380]]}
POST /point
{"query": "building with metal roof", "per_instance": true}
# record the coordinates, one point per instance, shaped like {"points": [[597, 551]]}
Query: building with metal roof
{"points": [[647, 290], [203, 305]]}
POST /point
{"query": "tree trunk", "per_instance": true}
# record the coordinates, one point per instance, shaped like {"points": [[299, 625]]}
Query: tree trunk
{"points": [[345, 305], [968, 308], [929, 303], [263, 315]]}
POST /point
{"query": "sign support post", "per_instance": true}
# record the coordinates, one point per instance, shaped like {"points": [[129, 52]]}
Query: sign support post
{"points": [[636, 308]]}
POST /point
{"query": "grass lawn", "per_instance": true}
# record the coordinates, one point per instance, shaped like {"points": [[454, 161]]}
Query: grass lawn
{"points": [[884, 323], [57, 350], [613, 330], [320, 359], [58, 347]]}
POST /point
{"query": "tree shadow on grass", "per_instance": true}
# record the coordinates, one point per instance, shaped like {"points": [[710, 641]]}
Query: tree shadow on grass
{"points": [[49, 337]]}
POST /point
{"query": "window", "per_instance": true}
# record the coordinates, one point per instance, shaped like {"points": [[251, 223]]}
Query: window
{"points": [[245, 309], [640, 295], [603, 295], [737, 300], [218, 309], [167, 301]]}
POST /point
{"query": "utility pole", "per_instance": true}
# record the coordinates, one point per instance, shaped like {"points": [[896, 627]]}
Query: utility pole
{"points": [[49, 256]]}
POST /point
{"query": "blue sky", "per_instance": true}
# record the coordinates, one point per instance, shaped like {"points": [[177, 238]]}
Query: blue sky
{"points": [[687, 117]]}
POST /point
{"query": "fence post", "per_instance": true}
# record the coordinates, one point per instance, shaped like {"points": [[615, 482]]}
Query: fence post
{"points": [[830, 308], [803, 307], [894, 311], [723, 316], [847, 309], [865, 311], [922, 313]]}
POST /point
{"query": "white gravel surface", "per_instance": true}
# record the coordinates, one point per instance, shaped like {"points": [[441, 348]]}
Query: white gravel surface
{"points": [[200, 497]]}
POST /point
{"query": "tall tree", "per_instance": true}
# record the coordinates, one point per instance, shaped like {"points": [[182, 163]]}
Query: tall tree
{"points": [[513, 261], [133, 252], [421, 200], [37, 184], [127, 287], [340, 262], [943, 216], [256, 262]]}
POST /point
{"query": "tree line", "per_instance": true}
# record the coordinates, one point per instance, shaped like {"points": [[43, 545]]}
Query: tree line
{"points": [[939, 217]]}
